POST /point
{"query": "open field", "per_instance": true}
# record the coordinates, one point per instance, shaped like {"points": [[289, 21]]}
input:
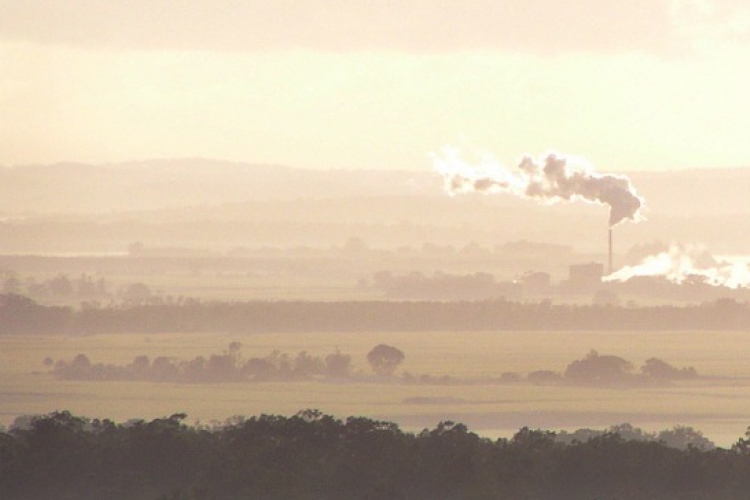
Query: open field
{"points": [[718, 403]]}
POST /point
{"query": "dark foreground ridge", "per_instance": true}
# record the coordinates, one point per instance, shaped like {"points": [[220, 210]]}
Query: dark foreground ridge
{"points": [[314, 456], [19, 314]]}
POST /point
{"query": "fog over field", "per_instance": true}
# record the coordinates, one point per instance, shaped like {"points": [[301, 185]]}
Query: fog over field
{"points": [[162, 233], [469, 250], [206, 204], [214, 289]]}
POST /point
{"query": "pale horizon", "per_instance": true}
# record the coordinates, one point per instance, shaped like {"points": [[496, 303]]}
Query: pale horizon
{"points": [[630, 86], [374, 249]]}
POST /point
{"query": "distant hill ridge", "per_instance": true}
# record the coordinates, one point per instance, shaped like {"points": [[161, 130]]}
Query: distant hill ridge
{"points": [[173, 183], [75, 207], [153, 184]]}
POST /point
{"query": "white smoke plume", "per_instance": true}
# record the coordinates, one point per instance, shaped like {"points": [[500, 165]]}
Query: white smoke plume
{"points": [[688, 263], [550, 180]]}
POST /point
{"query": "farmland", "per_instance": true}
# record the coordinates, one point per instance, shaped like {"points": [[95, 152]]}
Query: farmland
{"points": [[717, 403]]}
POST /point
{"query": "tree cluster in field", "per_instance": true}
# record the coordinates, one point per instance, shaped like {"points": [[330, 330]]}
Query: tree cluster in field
{"points": [[315, 456], [19, 314], [606, 369], [229, 366]]}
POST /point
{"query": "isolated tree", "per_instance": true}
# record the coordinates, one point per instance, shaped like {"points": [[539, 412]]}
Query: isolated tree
{"points": [[384, 359]]}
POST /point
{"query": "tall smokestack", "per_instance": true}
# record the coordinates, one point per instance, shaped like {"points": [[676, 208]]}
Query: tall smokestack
{"points": [[611, 269]]}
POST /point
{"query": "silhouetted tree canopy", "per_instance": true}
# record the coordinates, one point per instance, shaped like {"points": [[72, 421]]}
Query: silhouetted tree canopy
{"points": [[230, 366], [606, 369], [338, 365], [544, 377], [658, 369], [311, 455], [216, 368], [384, 359], [596, 368]]}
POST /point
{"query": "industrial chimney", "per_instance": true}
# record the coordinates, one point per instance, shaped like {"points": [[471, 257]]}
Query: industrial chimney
{"points": [[611, 269]]}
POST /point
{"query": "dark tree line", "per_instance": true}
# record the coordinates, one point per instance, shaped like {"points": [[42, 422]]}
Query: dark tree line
{"points": [[607, 369], [315, 456], [229, 367], [216, 368], [19, 314]]}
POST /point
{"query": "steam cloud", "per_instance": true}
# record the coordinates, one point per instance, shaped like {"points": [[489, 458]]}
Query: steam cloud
{"points": [[688, 263], [550, 180]]}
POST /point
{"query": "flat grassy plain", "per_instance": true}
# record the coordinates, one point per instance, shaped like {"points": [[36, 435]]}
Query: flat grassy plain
{"points": [[718, 403]]}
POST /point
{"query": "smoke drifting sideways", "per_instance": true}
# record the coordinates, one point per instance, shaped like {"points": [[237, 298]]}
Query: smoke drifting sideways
{"points": [[556, 178], [682, 264], [550, 180]]}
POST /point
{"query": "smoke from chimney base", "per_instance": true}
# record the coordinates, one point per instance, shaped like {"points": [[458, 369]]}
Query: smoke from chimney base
{"points": [[682, 263]]}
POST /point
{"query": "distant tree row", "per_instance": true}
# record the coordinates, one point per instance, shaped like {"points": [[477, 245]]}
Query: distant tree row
{"points": [[60, 286], [606, 370], [442, 286], [19, 314], [229, 367], [91, 291], [594, 369], [315, 456]]}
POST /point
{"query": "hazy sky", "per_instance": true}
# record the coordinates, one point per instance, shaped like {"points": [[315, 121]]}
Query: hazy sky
{"points": [[628, 84]]}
